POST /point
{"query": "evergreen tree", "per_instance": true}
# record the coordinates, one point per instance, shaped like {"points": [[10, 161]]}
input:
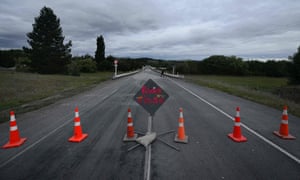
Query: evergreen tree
{"points": [[48, 53], [100, 52], [295, 68]]}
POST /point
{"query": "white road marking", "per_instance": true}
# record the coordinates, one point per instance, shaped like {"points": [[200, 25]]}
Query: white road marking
{"points": [[147, 167], [297, 160], [35, 143], [147, 163], [47, 135]]}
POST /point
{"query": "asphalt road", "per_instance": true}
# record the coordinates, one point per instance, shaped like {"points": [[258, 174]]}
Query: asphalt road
{"points": [[208, 114]]}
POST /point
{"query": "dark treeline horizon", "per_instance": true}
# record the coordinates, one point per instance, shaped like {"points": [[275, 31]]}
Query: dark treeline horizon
{"points": [[215, 64]]}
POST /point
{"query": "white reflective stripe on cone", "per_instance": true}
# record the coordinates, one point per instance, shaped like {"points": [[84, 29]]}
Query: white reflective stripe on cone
{"points": [[13, 128], [284, 122], [77, 124], [130, 124], [12, 118], [76, 114], [129, 114], [180, 124], [238, 114], [237, 124]]}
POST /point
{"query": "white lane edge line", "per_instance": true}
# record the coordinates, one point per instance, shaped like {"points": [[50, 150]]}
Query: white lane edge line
{"points": [[243, 125], [46, 136], [34, 144]]}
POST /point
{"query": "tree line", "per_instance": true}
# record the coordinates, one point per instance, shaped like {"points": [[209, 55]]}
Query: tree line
{"points": [[48, 54], [216, 64], [213, 65], [232, 65]]}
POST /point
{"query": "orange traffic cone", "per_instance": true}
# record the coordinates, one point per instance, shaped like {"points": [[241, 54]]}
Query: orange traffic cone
{"points": [[130, 128], [237, 133], [130, 135], [284, 126], [180, 136], [78, 136], [14, 137]]}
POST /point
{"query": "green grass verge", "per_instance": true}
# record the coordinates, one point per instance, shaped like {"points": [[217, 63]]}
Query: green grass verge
{"points": [[26, 91], [264, 90]]}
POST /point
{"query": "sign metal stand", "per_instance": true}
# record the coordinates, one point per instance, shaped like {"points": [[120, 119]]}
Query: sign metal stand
{"points": [[150, 97]]}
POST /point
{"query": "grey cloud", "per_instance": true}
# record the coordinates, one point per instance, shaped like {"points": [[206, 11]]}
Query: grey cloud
{"points": [[12, 41], [165, 29]]}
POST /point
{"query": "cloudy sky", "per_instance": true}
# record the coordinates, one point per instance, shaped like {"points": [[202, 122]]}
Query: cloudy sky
{"points": [[168, 29]]}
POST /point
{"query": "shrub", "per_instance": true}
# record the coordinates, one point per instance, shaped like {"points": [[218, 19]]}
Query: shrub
{"points": [[87, 65], [6, 59], [73, 69], [23, 64]]}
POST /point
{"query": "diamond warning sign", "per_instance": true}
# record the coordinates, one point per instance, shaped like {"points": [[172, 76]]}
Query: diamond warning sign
{"points": [[151, 97]]}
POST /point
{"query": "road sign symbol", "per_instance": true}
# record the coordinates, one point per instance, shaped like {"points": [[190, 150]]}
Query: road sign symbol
{"points": [[151, 97]]}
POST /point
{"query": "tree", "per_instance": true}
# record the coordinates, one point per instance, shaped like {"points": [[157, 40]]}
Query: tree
{"points": [[48, 53], [100, 51], [294, 76], [276, 68], [256, 68], [223, 65]]}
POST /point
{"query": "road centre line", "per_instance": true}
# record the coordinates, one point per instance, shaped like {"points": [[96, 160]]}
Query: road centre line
{"points": [[49, 134], [297, 160], [147, 166]]}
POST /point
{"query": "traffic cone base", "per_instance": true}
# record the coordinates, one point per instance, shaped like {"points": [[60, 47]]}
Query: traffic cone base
{"points": [[237, 139], [288, 137], [184, 140], [78, 139], [15, 144], [127, 139]]}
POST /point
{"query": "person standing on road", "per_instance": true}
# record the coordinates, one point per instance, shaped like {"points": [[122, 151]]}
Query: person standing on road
{"points": [[162, 73]]}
